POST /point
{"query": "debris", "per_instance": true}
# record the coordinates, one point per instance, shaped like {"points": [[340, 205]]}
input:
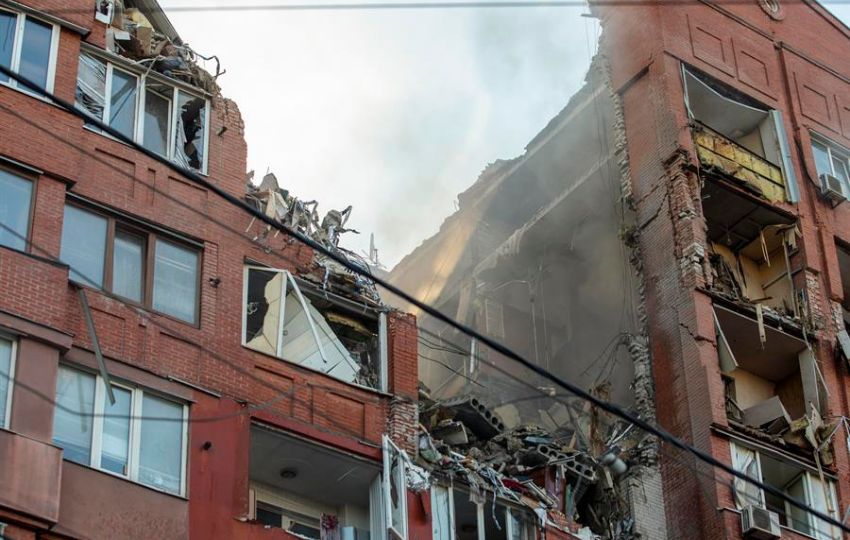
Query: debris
{"points": [[770, 413]]}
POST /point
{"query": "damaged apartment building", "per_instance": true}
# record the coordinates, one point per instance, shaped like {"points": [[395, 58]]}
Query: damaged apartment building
{"points": [[172, 368], [674, 241]]}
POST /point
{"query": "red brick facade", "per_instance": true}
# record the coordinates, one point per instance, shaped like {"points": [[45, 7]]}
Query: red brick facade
{"points": [[794, 62], [227, 385]]}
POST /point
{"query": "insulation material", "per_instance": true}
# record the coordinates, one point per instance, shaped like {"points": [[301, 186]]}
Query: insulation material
{"points": [[91, 86], [299, 345]]}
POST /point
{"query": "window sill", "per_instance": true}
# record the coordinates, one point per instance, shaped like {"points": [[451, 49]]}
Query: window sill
{"points": [[27, 92], [38, 258], [376, 391], [95, 130], [132, 304], [125, 479]]}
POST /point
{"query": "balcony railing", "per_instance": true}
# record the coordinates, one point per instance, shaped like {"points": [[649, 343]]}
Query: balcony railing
{"points": [[30, 476]]}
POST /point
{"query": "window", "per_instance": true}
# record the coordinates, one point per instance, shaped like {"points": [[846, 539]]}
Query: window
{"points": [[832, 159], [141, 436], [795, 481], [28, 47], [7, 375], [141, 106], [395, 490], [15, 204], [313, 330], [111, 255], [740, 137]]}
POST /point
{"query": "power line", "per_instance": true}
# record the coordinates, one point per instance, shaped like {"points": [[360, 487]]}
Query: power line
{"points": [[602, 404], [437, 5]]}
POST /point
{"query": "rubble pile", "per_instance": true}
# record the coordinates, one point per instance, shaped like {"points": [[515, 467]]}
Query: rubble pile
{"points": [[303, 217], [132, 35]]}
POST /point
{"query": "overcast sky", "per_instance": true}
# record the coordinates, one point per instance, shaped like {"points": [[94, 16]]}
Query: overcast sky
{"points": [[393, 112]]}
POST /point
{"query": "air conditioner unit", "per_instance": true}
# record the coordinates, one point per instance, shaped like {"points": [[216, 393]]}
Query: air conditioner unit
{"points": [[832, 188], [759, 523]]}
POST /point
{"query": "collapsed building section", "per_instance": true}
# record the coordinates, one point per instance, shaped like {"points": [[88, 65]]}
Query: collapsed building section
{"points": [[540, 257], [326, 318]]}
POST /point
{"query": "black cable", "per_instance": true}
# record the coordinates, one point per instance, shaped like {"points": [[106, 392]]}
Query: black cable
{"points": [[380, 6], [606, 406]]}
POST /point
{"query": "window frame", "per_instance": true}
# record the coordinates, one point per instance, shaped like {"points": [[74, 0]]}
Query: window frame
{"points": [[6, 420], [55, 32], [134, 442], [143, 77], [390, 449], [150, 237], [832, 148], [32, 178], [806, 474], [383, 327]]}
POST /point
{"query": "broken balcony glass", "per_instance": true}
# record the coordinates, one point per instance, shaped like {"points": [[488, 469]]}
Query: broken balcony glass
{"points": [[282, 322], [91, 86]]}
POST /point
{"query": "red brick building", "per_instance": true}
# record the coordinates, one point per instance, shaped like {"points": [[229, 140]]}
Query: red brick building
{"points": [[736, 121], [253, 383]]}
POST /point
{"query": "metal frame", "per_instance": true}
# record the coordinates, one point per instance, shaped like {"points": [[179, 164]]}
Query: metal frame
{"points": [[13, 356], [142, 76], [389, 447], [20, 21]]}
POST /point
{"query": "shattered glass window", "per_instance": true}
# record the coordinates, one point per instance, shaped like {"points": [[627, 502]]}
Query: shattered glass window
{"points": [[314, 333], [262, 309], [191, 130], [91, 86], [8, 21], [115, 446], [35, 51], [122, 104], [157, 117]]}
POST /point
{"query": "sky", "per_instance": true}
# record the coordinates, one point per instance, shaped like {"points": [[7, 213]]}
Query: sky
{"points": [[392, 112]]}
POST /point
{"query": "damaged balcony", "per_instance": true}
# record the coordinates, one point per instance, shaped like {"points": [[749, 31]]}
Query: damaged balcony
{"points": [[313, 491], [750, 249], [796, 479], [740, 139], [774, 387], [293, 320]]}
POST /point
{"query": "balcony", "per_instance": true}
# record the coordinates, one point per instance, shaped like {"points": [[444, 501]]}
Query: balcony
{"points": [[30, 476], [723, 155]]}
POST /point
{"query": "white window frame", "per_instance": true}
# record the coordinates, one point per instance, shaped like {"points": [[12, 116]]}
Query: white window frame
{"points": [[808, 485], [389, 449], [135, 436], [833, 147], [139, 120], [289, 282], [481, 514], [435, 523], [7, 416], [20, 23]]}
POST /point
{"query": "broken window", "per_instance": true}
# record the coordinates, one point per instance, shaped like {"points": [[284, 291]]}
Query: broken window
{"points": [[87, 239], [750, 249], [775, 384], [474, 515], [799, 482], [330, 498], [28, 47], [395, 490], [740, 138], [176, 132], [313, 329]]}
